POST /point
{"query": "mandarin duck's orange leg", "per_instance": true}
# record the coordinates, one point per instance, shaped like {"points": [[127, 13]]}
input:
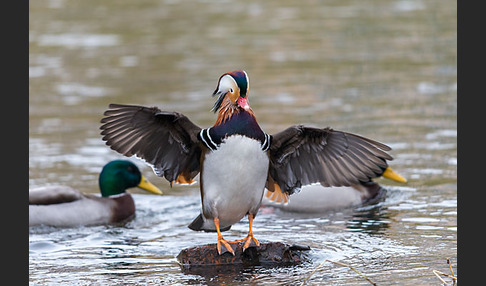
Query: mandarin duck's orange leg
{"points": [[222, 242], [250, 240]]}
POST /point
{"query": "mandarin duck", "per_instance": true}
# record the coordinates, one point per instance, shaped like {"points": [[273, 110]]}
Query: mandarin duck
{"points": [[63, 206], [236, 159]]}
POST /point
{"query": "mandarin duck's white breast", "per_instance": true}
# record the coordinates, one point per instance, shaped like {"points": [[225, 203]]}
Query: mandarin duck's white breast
{"points": [[234, 179]]}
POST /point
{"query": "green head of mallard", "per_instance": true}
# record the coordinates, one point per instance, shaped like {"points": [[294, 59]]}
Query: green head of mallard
{"points": [[119, 175]]}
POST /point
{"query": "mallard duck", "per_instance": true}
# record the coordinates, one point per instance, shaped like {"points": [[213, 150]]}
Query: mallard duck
{"points": [[236, 159], [63, 206], [316, 198]]}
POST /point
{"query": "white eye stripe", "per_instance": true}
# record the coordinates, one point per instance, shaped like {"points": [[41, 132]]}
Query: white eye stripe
{"points": [[227, 83], [247, 82]]}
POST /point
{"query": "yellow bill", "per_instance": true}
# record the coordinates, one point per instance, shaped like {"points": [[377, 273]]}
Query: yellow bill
{"points": [[390, 174], [148, 186]]}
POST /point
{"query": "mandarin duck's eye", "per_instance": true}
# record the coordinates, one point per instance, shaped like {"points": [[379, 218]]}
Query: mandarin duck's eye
{"points": [[231, 90]]}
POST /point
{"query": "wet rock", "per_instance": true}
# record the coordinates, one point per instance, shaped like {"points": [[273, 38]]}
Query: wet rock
{"points": [[202, 258]]}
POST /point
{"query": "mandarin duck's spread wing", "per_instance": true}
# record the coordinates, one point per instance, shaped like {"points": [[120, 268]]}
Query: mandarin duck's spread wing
{"points": [[302, 155], [166, 140]]}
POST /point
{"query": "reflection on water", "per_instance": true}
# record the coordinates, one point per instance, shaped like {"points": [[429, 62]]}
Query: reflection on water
{"points": [[147, 245], [385, 69], [144, 250]]}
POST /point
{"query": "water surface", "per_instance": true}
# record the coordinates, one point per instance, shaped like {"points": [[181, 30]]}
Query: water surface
{"points": [[383, 69]]}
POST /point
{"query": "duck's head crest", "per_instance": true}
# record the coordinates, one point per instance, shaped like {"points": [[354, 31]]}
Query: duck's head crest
{"points": [[233, 86]]}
